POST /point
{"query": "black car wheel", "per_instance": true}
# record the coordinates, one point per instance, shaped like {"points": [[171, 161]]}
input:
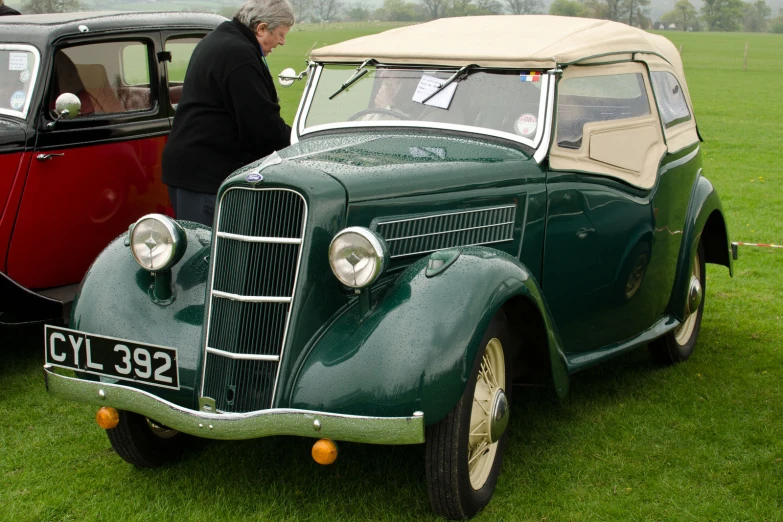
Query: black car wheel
{"points": [[677, 345], [143, 443], [464, 450]]}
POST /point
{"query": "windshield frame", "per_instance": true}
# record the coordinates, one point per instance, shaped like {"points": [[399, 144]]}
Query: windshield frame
{"points": [[300, 131], [22, 114]]}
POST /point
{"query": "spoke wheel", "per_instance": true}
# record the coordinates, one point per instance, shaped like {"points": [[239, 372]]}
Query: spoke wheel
{"points": [[491, 378], [464, 450], [678, 345], [144, 443]]}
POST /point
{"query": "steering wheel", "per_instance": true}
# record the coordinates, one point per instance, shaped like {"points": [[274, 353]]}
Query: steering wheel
{"points": [[378, 110]]}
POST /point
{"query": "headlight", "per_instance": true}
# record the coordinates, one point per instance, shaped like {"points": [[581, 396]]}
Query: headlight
{"points": [[357, 256], [157, 242]]}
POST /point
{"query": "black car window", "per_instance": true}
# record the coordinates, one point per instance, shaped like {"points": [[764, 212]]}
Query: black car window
{"points": [[671, 102], [181, 50], [108, 77], [586, 99]]}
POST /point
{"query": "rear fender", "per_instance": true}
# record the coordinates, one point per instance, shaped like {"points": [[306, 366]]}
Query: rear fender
{"points": [[704, 222], [415, 349], [115, 300]]}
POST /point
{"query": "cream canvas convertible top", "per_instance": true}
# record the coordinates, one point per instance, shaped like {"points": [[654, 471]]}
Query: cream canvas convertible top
{"points": [[522, 41]]}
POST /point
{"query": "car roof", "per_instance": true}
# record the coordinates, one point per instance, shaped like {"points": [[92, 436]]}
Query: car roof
{"points": [[518, 41], [42, 27]]}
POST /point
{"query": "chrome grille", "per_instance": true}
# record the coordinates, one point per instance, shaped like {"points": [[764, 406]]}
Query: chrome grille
{"points": [[256, 253], [420, 235]]}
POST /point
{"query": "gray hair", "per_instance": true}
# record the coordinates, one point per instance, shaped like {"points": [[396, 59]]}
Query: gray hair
{"points": [[274, 13]]}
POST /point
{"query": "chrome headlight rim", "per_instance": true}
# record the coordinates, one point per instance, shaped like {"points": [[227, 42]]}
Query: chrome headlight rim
{"points": [[378, 245], [178, 237]]}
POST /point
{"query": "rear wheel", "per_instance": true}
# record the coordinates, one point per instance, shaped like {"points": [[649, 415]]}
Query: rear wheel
{"points": [[464, 450], [677, 345], [143, 443]]}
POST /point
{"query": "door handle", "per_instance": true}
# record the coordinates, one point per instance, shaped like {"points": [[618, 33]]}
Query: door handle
{"points": [[44, 157]]}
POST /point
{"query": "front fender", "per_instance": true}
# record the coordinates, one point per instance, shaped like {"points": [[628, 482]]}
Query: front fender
{"points": [[415, 349], [115, 300], [704, 222]]}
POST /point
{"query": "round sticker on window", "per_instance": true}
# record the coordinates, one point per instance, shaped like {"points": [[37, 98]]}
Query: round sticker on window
{"points": [[17, 100], [526, 125], [24, 76]]}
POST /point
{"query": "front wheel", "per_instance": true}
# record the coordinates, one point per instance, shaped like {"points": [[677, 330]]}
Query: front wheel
{"points": [[677, 346], [464, 450], [143, 443]]}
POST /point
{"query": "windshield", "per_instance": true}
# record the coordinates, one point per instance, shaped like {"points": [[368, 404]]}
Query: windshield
{"points": [[506, 103], [18, 72]]}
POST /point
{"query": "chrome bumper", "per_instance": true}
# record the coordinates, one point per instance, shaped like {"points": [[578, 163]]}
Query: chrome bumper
{"points": [[235, 426]]}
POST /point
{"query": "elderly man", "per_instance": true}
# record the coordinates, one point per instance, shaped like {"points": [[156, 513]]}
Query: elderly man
{"points": [[228, 114]]}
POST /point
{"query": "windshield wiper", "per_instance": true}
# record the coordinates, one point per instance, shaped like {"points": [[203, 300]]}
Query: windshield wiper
{"points": [[448, 82], [360, 71]]}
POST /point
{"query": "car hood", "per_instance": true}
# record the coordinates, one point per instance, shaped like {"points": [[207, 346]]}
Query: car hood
{"points": [[388, 165]]}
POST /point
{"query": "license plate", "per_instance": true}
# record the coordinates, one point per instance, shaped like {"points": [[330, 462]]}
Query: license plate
{"points": [[111, 357]]}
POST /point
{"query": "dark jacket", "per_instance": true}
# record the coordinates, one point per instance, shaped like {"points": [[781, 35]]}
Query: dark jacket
{"points": [[228, 114], [5, 10]]}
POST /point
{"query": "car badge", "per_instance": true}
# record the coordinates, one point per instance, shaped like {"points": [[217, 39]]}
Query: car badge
{"points": [[255, 177]]}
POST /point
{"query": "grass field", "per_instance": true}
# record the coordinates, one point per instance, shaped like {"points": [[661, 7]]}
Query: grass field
{"points": [[701, 441]]}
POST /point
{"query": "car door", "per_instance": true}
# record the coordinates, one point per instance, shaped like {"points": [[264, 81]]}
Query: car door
{"points": [[602, 258], [93, 175]]}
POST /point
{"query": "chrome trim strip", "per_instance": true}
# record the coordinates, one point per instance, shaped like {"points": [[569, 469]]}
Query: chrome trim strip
{"points": [[472, 244], [418, 125], [260, 239], [430, 216], [212, 289], [295, 126], [456, 230], [237, 426], [250, 298], [33, 78], [310, 95], [542, 110], [243, 357], [543, 148]]}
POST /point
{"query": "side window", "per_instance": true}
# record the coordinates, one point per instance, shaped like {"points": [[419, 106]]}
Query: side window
{"points": [[108, 77], [586, 99], [181, 50], [671, 101]]}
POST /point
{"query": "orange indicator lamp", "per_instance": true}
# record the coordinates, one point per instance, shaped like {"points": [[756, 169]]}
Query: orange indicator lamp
{"points": [[324, 451], [107, 418]]}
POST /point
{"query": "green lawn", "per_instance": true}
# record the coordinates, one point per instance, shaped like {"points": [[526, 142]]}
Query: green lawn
{"points": [[701, 441]]}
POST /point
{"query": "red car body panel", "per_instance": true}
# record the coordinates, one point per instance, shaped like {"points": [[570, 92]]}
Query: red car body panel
{"points": [[74, 205], [13, 167]]}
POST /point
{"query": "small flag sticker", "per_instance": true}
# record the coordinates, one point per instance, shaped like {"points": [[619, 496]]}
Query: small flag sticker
{"points": [[530, 76]]}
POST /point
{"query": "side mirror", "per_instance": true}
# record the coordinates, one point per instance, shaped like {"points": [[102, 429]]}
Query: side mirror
{"points": [[288, 76], [66, 105]]}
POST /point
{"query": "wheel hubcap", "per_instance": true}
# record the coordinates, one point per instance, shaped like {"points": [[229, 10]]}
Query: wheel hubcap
{"points": [[489, 414], [685, 330], [498, 418]]}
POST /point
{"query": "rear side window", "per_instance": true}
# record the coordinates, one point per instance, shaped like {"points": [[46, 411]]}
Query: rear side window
{"points": [[586, 99], [108, 77], [671, 101], [18, 75], [181, 50]]}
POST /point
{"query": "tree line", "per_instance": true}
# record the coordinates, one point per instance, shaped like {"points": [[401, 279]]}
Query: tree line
{"points": [[714, 15]]}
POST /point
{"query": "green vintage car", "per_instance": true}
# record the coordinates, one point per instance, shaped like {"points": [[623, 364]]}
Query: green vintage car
{"points": [[468, 204]]}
